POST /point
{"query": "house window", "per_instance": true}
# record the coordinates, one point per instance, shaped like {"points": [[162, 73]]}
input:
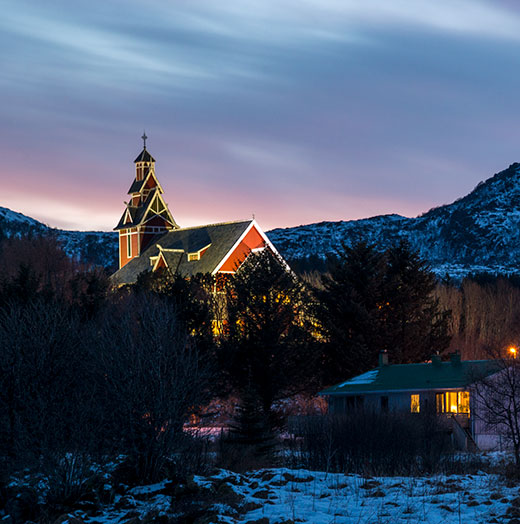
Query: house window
{"points": [[193, 256], [415, 403], [352, 403], [439, 402], [384, 404], [129, 246], [456, 402], [463, 398]]}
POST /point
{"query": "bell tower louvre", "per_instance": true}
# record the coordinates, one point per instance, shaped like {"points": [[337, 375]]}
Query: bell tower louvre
{"points": [[146, 215]]}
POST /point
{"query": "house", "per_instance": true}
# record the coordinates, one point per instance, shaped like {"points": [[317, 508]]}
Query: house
{"points": [[150, 239], [445, 388]]}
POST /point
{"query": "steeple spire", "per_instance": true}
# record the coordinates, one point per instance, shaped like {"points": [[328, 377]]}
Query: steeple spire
{"points": [[144, 137]]}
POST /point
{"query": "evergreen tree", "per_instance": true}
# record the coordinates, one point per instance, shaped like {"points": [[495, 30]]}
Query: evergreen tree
{"points": [[351, 311], [191, 297], [251, 428], [413, 325], [376, 301], [268, 343]]}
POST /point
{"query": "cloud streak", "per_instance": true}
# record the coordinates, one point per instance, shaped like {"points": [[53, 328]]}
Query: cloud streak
{"points": [[387, 106]]}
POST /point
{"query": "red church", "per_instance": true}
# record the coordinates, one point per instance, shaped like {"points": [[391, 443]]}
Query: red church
{"points": [[151, 239]]}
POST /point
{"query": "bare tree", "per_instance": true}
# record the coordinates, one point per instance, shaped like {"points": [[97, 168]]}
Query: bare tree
{"points": [[41, 381], [150, 375], [497, 402]]}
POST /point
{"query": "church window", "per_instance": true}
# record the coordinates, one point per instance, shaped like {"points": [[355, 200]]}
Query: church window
{"points": [[193, 256], [129, 246]]}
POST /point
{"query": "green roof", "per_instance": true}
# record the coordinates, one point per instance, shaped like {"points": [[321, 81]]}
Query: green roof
{"points": [[431, 375]]}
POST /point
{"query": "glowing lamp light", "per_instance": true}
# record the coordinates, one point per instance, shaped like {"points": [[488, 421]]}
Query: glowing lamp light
{"points": [[513, 351]]}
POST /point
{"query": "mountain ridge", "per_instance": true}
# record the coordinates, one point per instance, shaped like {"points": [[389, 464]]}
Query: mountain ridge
{"points": [[477, 232]]}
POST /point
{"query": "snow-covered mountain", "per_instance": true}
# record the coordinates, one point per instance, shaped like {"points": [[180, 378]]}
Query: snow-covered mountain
{"points": [[97, 247], [479, 232]]}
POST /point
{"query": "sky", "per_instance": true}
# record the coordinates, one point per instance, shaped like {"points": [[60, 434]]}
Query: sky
{"points": [[292, 111]]}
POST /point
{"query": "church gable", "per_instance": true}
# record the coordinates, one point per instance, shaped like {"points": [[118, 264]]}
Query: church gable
{"points": [[251, 241]]}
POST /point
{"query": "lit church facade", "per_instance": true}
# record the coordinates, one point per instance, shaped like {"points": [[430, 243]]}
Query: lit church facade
{"points": [[150, 238]]}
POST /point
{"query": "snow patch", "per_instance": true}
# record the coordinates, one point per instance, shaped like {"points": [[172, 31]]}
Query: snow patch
{"points": [[366, 378]]}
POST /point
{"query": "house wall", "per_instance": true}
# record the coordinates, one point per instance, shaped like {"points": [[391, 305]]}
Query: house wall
{"points": [[488, 437], [397, 401]]}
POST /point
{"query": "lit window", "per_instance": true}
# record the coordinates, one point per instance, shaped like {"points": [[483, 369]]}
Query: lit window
{"points": [[193, 256], [453, 402], [463, 401], [415, 403], [439, 401]]}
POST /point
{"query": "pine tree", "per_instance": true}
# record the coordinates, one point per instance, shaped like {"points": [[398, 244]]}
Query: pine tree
{"points": [[414, 326], [250, 428], [351, 311], [268, 344], [376, 301]]}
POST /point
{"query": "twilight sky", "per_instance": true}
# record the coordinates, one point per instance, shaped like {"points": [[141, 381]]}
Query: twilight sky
{"points": [[295, 110]]}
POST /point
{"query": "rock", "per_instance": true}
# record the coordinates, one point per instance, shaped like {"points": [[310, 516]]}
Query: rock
{"points": [[68, 519], [377, 493], [131, 516], [225, 489], [206, 519], [22, 506], [133, 520], [370, 484], [292, 478], [125, 502], [250, 506], [447, 508], [267, 476], [261, 494]]}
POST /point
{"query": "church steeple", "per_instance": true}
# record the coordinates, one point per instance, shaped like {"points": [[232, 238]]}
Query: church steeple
{"points": [[146, 215]]}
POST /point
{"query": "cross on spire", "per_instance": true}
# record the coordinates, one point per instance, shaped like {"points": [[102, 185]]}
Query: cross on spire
{"points": [[144, 137]]}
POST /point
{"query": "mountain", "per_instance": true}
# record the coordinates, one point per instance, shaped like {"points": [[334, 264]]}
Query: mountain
{"points": [[479, 232], [97, 247]]}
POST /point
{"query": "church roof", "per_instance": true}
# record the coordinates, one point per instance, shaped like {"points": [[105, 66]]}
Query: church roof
{"points": [[144, 156], [220, 238], [138, 213], [137, 185]]}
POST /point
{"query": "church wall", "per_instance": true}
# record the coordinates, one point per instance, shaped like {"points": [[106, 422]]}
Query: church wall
{"points": [[251, 241]]}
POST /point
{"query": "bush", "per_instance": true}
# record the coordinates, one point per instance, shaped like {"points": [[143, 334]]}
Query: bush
{"points": [[371, 443]]}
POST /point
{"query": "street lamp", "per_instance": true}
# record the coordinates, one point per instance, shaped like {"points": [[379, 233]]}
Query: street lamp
{"points": [[513, 351]]}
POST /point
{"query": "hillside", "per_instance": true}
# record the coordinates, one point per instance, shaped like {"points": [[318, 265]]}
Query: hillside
{"points": [[97, 247], [479, 232]]}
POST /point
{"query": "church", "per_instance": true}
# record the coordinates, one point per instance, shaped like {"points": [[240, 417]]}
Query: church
{"points": [[150, 239]]}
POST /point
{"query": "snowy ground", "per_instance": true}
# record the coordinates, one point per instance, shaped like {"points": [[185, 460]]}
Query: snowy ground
{"points": [[285, 496]]}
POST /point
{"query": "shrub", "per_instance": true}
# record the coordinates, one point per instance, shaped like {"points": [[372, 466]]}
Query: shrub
{"points": [[372, 443]]}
